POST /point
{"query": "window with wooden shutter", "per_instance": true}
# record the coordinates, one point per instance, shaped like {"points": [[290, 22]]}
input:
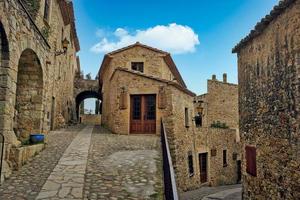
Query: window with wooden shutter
{"points": [[251, 160]]}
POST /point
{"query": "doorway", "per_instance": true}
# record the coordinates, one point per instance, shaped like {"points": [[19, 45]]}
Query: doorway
{"points": [[203, 167], [239, 171], [143, 113]]}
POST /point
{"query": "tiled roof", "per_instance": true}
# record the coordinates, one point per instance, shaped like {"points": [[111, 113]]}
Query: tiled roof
{"points": [[260, 26]]}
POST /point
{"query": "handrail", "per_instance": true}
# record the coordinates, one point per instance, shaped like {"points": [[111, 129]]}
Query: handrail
{"points": [[1, 157], [169, 175]]}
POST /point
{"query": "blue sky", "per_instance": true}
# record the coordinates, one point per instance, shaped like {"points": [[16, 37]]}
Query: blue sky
{"points": [[218, 25]]}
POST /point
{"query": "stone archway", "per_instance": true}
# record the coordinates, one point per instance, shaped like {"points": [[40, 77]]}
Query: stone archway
{"points": [[4, 60], [29, 96], [85, 95], [4, 65]]}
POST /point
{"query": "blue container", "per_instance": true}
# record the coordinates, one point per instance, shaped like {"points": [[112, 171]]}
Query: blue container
{"points": [[37, 138]]}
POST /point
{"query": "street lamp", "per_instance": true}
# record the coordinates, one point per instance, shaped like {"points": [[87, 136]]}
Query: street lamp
{"points": [[65, 43]]}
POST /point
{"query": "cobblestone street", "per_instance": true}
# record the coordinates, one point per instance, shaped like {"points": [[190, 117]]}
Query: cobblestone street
{"points": [[26, 183], [226, 192], [123, 167], [90, 163]]}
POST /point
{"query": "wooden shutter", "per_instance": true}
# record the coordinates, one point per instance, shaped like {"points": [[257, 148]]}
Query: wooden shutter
{"points": [[162, 98], [251, 160], [123, 99]]}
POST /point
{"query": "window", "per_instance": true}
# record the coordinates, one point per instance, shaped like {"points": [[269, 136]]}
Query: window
{"points": [[191, 165], [137, 66], [47, 10], [251, 160], [186, 117], [198, 120], [136, 114], [150, 103], [224, 158]]}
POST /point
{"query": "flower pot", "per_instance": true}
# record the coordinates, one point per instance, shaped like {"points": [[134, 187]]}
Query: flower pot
{"points": [[37, 138]]}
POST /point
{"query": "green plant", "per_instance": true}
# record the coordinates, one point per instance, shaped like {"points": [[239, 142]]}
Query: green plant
{"points": [[32, 7], [218, 124], [46, 31]]}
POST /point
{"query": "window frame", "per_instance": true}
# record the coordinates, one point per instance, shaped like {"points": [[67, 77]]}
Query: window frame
{"points": [[140, 66]]}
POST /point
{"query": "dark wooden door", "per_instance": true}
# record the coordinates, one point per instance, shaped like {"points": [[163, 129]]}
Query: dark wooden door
{"points": [[143, 114], [203, 167]]}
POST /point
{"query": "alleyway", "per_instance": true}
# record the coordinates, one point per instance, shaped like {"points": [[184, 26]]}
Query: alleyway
{"points": [[90, 162]]}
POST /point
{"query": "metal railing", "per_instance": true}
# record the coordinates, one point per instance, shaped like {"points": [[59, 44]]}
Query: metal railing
{"points": [[1, 154], [170, 187]]}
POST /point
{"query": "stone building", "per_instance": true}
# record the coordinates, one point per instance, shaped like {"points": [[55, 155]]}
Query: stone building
{"points": [[38, 49], [269, 105], [141, 86]]}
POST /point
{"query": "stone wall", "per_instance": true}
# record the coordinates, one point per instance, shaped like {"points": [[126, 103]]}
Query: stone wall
{"points": [[217, 140], [45, 86], [90, 119], [269, 104], [219, 104]]}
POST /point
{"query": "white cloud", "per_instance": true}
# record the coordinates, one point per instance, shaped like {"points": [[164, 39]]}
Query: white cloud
{"points": [[174, 38]]}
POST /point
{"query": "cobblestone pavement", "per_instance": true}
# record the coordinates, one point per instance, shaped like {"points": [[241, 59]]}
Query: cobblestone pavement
{"points": [[28, 181], [123, 167], [228, 192], [67, 179]]}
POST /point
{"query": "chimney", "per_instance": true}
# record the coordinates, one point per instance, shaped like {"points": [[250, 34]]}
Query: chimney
{"points": [[214, 77], [225, 78]]}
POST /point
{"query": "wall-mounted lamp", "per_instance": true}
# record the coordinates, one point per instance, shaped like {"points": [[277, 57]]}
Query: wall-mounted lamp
{"points": [[65, 43]]}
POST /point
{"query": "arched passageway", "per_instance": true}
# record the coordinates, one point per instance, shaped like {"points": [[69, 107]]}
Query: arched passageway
{"points": [[29, 95], [85, 95], [4, 60], [4, 64]]}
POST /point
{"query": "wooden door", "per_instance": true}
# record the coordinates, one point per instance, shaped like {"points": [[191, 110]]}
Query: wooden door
{"points": [[143, 114], [203, 167]]}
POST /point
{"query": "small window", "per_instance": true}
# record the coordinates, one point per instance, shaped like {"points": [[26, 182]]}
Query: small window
{"points": [[198, 120], [47, 10], [137, 66], [186, 117], [251, 160], [224, 158], [191, 165]]}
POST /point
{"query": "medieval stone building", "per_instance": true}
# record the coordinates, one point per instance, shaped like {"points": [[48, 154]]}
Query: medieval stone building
{"points": [[141, 87], [38, 45], [269, 105]]}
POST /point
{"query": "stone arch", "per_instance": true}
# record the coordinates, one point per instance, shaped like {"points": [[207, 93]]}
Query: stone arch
{"points": [[85, 95], [4, 64], [4, 47], [29, 95]]}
